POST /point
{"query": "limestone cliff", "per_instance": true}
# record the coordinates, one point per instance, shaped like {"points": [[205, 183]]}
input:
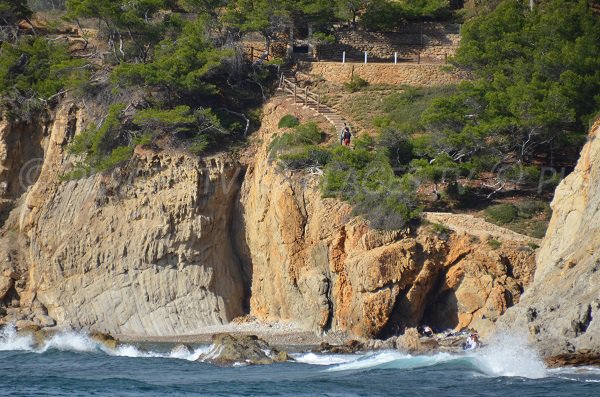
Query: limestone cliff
{"points": [[145, 250], [313, 262], [169, 243], [561, 310]]}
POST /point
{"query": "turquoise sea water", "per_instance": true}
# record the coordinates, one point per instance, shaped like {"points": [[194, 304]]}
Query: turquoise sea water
{"points": [[72, 365]]}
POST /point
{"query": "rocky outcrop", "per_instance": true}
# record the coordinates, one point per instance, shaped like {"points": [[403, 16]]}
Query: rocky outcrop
{"points": [[314, 263], [169, 243], [227, 350], [143, 251], [561, 309]]}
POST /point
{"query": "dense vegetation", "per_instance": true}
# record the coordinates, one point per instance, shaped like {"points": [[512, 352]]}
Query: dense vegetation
{"points": [[362, 176], [173, 71], [534, 92]]}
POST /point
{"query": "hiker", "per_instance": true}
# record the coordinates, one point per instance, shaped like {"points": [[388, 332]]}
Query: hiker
{"points": [[345, 135]]}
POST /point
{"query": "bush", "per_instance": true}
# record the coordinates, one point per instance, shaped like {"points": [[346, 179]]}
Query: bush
{"points": [[304, 157], [501, 214], [356, 83], [386, 15], [495, 244], [117, 156], [288, 121], [530, 208], [301, 135]]}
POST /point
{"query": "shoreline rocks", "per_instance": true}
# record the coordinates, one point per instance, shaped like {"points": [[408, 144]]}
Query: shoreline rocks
{"points": [[230, 349]]}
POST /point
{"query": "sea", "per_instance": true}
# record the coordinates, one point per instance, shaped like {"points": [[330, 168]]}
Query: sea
{"points": [[71, 364]]}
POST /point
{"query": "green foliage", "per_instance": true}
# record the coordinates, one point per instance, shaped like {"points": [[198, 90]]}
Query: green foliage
{"points": [[396, 145], [363, 176], [182, 67], [537, 83], [117, 156], [302, 135], [356, 83], [103, 147], [139, 24], [387, 15], [403, 110], [305, 156], [288, 121], [495, 244], [501, 214], [36, 67], [11, 11], [440, 229], [367, 180]]}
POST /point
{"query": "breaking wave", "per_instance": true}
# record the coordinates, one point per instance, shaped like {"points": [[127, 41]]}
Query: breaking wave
{"points": [[503, 356]]}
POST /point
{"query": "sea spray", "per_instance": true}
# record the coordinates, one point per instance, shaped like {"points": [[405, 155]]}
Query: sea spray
{"points": [[509, 355], [10, 340]]}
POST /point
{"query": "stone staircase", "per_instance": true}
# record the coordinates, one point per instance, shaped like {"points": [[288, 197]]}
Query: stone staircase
{"points": [[288, 85]]}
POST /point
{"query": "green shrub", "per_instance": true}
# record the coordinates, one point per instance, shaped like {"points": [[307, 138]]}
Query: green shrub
{"points": [[301, 135], [501, 214], [304, 157], [143, 139], [117, 156], [530, 208], [199, 144], [533, 246], [495, 244], [288, 121], [356, 83], [440, 228], [538, 229]]}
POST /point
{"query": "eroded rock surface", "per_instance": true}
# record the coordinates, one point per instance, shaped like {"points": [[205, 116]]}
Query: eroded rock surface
{"points": [[314, 263], [144, 250], [561, 309]]}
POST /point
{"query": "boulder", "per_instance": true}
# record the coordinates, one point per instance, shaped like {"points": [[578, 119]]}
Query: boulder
{"points": [[106, 340], [181, 349], [350, 347], [230, 349], [37, 334]]}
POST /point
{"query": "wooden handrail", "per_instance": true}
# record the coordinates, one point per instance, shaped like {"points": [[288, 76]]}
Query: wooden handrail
{"points": [[291, 88]]}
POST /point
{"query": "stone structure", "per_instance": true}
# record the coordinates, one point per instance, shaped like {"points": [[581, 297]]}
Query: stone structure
{"points": [[423, 75], [433, 42]]}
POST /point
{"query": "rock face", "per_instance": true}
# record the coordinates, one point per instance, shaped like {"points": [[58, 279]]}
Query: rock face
{"points": [[145, 250], [169, 243], [561, 309], [313, 263]]}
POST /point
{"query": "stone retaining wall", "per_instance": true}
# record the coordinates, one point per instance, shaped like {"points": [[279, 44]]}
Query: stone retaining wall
{"points": [[423, 75], [435, 42]]}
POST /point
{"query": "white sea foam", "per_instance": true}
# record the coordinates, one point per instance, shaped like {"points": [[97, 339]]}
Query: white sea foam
{"points": [[70, 341], [324, 359], [395, 360], [509, 355], [9, 340]]}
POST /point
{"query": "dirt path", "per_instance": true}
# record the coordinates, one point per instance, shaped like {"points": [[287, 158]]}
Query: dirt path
{"points": [[463, 223]]}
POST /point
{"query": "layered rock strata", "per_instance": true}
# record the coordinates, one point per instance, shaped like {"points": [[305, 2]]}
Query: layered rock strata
{"points": [[561, 310]]}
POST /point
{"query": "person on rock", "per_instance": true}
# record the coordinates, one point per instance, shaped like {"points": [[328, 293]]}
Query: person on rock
{"points": [[472, 342], [427, 331]]}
